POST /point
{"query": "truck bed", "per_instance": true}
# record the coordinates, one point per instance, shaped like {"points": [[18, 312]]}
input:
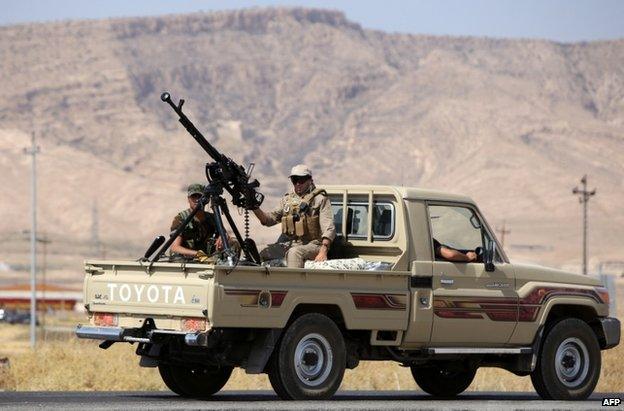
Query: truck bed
{"points": [[242, 296]]}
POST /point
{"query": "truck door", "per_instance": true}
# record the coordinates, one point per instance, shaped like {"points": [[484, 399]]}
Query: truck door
{"points": [[470, 305]]}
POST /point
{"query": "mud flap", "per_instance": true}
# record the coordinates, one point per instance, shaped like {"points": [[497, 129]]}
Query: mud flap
{"points": [[150, 359], [261, 350]]}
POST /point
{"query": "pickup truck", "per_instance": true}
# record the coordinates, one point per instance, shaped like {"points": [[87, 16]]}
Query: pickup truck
{"points": [[303, 327]]}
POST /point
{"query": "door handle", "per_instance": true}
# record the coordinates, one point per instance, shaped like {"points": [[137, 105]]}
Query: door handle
{"points": [[447, 281]]}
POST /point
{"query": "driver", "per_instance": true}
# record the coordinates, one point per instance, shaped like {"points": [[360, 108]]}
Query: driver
{"points": [[450, 254]]}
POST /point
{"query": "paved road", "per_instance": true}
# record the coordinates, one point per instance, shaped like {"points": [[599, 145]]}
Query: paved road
{"points": [[267, 400]]}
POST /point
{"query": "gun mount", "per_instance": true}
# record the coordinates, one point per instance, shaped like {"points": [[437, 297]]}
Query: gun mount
{"points": [[222, 174]]}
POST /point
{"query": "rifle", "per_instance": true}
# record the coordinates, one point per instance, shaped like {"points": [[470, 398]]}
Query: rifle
{"points": [[223, 173]]}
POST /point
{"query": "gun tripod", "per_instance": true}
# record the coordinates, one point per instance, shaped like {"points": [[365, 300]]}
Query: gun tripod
{"points": [[213, 196]]}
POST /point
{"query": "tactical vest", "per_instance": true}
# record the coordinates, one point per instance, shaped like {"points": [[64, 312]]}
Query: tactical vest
{"points": [[297, 220], [195, 236]]}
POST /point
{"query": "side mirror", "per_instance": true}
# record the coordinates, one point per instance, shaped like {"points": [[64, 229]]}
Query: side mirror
{"points": [[488, 258]]}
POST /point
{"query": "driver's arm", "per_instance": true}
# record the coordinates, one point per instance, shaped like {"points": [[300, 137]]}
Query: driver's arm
{"points": [[451, 254]]}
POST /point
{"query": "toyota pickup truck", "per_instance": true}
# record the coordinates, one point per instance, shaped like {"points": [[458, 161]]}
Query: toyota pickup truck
{"points": [[304, 327]]}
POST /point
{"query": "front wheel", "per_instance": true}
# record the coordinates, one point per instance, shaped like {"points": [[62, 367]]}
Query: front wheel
{"points": [[568, 365], [310, 359], [194, 381], [443, 380]]}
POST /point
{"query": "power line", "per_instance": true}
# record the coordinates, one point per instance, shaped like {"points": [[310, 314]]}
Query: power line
{"points": [[584, 197]]}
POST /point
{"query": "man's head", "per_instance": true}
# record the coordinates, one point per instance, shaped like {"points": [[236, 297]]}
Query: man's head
{"points": [[301, 178], [194, 193]]}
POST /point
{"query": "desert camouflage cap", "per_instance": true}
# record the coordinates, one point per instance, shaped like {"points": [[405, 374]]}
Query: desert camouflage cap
{"points": [[195, 189], [300, 170]]}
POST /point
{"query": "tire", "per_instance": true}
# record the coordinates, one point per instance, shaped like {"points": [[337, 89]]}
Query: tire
{"points": [[568, 365], [276, 379], [310, 360], [442, 380], [167, 377], [194, 381], [539, 386]]}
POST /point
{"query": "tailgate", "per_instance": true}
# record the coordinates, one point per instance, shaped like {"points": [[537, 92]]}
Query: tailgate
{"points": [[165, 293]]}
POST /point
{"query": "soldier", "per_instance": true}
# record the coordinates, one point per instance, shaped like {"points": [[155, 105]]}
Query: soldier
{"points": [[306, 217], [447, 253], [199, 239]]}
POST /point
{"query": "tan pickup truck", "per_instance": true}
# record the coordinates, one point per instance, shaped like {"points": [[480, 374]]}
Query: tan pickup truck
{"points": [[303, 327]]}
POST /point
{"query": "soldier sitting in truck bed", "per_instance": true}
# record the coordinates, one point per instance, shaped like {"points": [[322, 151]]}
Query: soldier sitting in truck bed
{"points": [[198, 238], [306, 217]]}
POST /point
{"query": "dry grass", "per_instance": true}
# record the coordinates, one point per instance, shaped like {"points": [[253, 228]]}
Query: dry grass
{"points": [[65, 363], [75, 365]]}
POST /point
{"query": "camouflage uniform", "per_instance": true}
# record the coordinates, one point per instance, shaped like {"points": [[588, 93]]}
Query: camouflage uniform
{"points": [[197, 235], [306, 246]]}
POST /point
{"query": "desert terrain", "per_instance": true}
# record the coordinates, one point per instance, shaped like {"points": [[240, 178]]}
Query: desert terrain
{"points": [[512, 123]]}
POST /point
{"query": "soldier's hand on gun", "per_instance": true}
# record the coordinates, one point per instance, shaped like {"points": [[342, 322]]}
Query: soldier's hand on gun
{"points": [[219, 244], [201, 256]]}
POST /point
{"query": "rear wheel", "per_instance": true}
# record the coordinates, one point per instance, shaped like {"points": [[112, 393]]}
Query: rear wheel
{"points": [[568, 365], [443, 380], [167, 377], [194, 381], [276, 379], [310, 360]]}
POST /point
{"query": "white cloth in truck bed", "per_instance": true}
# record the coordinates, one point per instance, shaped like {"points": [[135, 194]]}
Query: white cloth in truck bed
{"points": [[348, 264]]}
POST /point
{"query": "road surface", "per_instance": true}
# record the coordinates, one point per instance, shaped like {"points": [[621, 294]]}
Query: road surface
{"points": [[267, 400]]}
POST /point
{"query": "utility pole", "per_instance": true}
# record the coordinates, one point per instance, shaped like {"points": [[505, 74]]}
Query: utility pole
{"points": [[584, 197], [95, 231], [502, 231], [44, 241], [32, 151]]}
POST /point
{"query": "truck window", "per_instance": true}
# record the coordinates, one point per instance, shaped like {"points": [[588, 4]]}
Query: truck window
{"points": [[383, 220], [357, 219], [456, 227]]}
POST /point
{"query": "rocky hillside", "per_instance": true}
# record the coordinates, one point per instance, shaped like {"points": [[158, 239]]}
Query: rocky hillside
{"points": [[512, 123]]}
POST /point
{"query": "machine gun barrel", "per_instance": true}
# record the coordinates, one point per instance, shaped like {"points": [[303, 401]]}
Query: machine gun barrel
{"points": [[232, 175], [190, 127]]}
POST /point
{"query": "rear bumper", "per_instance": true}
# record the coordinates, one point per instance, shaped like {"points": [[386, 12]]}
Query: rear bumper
{"points": [[100, 333], [611, 330], [118, 334]]}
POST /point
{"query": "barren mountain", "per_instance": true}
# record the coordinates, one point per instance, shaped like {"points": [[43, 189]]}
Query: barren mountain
{"points": [[512, 123]]}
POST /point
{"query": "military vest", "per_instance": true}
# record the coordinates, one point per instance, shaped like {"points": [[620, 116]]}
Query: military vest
{"points": [[298, 220], [197, 234]]}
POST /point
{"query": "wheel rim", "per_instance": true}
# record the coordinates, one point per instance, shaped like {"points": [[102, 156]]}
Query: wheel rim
{"points": [[313, 359], [572, 362]]}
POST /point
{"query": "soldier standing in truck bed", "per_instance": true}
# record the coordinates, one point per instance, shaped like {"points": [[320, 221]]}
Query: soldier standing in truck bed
{"points": [[306, 217]]}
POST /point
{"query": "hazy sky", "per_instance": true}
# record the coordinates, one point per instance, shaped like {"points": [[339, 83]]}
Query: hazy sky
{"points": [[560, 20]]}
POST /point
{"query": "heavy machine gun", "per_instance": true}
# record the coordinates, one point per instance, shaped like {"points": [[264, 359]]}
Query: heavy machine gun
{"points": [[222, 174]]}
